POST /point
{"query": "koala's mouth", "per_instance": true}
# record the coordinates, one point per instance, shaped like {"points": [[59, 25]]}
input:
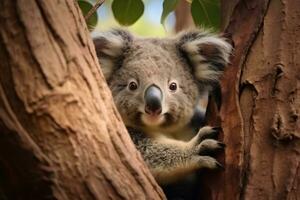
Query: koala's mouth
{"points": [[153, 120], [162, 120]]}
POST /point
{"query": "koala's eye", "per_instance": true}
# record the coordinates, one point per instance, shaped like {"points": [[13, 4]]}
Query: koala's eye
{"points": [[173, 86], [132, 85]]}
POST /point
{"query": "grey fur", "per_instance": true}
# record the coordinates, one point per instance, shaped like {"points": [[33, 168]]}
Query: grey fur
{"points": [[171, 160], [194, 61]]}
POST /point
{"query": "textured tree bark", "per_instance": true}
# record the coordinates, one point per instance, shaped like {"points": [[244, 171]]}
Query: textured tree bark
{"points": [[60, 134], [270, 103], [260, 110]]}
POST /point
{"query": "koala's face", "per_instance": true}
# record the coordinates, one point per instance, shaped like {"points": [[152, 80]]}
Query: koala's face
{"points": [[156, 83], [154, 88]]}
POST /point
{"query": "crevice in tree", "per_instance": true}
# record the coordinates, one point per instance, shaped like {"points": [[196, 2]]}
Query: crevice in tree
{"points": [[277, 76], [248, 94], [26, 42], [50, 27], [7, 81], [18, 183]]}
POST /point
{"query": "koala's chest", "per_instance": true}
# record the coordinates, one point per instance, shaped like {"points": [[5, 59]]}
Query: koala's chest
{"points": [[184, 134]]}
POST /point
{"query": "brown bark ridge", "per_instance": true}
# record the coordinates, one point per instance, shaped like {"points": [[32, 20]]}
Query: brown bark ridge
{"points": [[260, 116], [61, 137], [270, 103], [245, 21]]}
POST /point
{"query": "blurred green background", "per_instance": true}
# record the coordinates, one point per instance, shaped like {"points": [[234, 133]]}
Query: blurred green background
{"points": [[152, 17], [148, 25]]}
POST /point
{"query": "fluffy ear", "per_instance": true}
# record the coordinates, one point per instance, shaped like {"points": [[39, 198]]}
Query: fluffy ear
{"points": [[208, 54], [110, 48]]}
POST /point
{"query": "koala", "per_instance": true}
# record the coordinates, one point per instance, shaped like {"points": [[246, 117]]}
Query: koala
{"points": [[156, 85]]}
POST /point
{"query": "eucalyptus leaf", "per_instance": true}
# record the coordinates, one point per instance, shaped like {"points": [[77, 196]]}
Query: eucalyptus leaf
{"points": [[127, 12], [168, 7], [206, 13], [85, 8]]}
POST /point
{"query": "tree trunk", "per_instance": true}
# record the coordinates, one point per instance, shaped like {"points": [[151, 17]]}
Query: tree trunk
{"points": [[269, 99], [61, 136], [260, 110], [183, 16]]}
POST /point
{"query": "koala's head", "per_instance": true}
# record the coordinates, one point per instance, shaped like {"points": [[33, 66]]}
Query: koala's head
{"points": [[156, 83]]}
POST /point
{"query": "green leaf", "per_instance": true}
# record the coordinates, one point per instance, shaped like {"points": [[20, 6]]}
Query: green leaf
{"points": [[85, 8], [206, 13], [168, 7], [127, 12]]}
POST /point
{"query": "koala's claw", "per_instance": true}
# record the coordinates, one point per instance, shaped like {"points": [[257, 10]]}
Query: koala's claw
{"points": [[217, 128], [209, 146], [222, 145], [219, 166], [207, 162], [207, 132]]}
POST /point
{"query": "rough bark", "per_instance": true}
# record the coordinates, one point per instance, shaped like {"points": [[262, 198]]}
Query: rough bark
{"points": [[260, 116], [60, 134], [245, 20], [270, 102]]}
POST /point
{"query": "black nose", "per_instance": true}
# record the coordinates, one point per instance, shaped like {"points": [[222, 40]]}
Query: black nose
{"points": [[153, 98]]}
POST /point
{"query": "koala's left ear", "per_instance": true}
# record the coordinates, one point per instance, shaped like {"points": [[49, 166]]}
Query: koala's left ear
{"points": [[110, 48], [208, 54]]}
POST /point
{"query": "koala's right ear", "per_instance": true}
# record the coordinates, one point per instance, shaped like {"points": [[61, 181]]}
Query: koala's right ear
{"points": [[110, 48], [207, 53]]}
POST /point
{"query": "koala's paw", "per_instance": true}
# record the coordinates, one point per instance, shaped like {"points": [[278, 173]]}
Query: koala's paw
{"points": [[208, 132], [209, 146], [205, 133], [207, 162]]}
